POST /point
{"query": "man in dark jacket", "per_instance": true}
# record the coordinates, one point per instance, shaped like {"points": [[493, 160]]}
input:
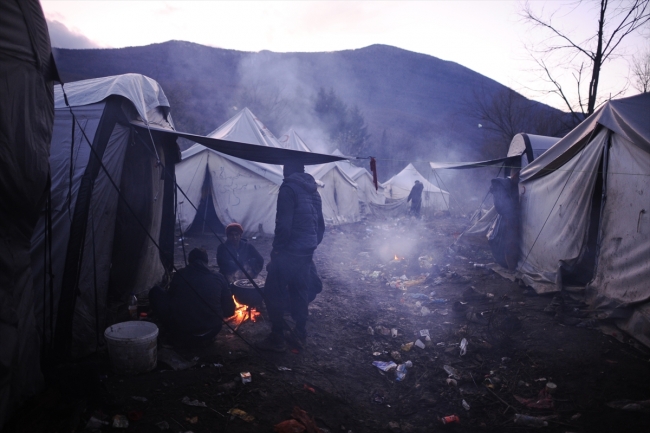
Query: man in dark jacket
{"points": [[415, 197], [197, 301], [299, 228], [245, 253]]}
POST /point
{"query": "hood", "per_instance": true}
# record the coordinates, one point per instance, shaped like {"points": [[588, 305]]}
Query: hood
{"points": [[304, 180]]}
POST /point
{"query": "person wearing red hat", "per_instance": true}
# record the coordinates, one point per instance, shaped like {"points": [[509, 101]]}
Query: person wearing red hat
{"points": [[245, 253]]}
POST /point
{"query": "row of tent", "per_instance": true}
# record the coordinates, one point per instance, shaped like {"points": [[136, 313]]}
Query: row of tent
{"points": [[584, 211], [246, 191]]}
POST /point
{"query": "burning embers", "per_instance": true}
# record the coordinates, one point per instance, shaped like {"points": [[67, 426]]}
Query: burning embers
{"points": [[243, 312]]}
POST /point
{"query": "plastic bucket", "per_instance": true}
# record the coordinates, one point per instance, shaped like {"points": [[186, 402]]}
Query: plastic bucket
{"points": [[132, 346]]}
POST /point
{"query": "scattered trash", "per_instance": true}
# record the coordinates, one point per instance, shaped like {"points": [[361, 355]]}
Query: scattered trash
{"points": [[376, 353], [450, 419], [382, 330], [95, 423], [401, 370], [463, 346], [192, 420], [245, 377], [289, 426], [452, 382], [393, 332], [451, 371], [424, 311], [631, 405], [196, 358], [135, 415], [241, 414], [371, 331], [163, 425], [374, 274], [138, 398], [419, 296], [424, 332], [439, 301], [284, 368], [301, 422], [479, 265], [308, 388], [419, 344], [530, 421], [384, 366], [396, 355], [173, 359], [407, 346], [542, 401], [186, 400], [120, 421], [465, 405], [551, 387]]}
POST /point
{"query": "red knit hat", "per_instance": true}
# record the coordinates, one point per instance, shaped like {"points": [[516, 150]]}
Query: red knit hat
{"points": [[234, 227]]}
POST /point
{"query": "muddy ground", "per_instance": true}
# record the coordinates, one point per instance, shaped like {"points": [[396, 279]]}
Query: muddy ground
{"points": [[517, 342]]}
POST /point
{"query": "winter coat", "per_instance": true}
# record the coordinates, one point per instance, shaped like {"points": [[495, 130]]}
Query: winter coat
{"points": [[416, 193], [299, 223], [246, 254], [199, 298]]}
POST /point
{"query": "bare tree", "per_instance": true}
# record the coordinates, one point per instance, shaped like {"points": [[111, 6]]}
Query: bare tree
{"points": [[585, 59], [507, 113], [641, 72]]}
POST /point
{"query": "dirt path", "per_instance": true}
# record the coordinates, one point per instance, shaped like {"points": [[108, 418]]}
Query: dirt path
{"points": [[514, 348]]}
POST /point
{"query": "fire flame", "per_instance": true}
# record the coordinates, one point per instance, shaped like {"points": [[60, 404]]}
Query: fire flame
{"points": [[396, 258], [241, 313]]}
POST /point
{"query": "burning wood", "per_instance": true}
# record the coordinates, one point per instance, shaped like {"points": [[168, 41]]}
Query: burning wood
{"points": [[242, 313]]}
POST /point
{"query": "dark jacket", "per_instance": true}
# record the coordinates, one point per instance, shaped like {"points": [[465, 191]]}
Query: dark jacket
{"points": [[246, 254], [199, 299], [299, 223], [416, 193]]}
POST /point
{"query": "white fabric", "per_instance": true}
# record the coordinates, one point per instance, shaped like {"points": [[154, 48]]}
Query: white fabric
{"points": [[146, 94], [623, 270], [242, 191], [291, 140], [400, 185], [555, 213], [339, 194]]}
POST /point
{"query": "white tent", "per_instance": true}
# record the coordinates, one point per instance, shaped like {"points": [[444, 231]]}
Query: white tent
{"points": [[99, 248], [366, 191], [291, 140], [585, 213], [242, 191], [399, 186]]}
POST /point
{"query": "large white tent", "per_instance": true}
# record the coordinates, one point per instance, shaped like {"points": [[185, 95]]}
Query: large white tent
{"points": [[242, 191], [399, 186], [585, 213]]}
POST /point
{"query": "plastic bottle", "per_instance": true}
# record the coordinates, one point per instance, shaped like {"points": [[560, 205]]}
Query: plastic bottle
{"points": [[133, 307], [529, 421]]}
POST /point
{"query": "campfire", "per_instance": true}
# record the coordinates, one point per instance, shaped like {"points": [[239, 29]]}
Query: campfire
{"points": [[242, 313]]}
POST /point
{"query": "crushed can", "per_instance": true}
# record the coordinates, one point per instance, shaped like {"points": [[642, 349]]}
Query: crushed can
{"points": [[245, 377], [450, 419]]}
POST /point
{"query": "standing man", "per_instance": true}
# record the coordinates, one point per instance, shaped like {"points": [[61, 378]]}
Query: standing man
{"points": [[299, 228], [236, 247], [415, 197]]}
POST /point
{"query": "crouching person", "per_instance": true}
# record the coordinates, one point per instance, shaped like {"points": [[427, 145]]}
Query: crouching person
{"points": [[198, 299]]}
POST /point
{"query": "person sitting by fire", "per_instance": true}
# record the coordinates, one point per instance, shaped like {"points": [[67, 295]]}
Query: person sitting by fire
{"points": [[191, 311], [237, 248]]}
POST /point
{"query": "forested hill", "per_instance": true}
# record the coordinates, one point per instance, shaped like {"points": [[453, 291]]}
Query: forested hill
{"points": [[415, 106]]}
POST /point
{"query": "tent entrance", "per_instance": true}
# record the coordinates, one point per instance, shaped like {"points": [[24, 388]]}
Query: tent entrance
{"points": [[581, 272], [206, 219]]}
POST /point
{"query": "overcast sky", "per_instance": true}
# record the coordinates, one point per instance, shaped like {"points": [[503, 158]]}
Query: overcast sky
{"points": [[488, 37]]}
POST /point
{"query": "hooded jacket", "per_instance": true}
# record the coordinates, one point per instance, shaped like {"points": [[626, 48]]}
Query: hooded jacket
{"points": [[299, 223]]}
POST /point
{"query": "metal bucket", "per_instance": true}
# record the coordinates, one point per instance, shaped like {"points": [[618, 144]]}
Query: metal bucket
{"points": [[132, 346]]}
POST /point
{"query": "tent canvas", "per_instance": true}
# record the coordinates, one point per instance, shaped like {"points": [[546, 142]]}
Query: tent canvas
{"points": [[97, 247], [399, 186], [584, 215], [242, 191]]}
